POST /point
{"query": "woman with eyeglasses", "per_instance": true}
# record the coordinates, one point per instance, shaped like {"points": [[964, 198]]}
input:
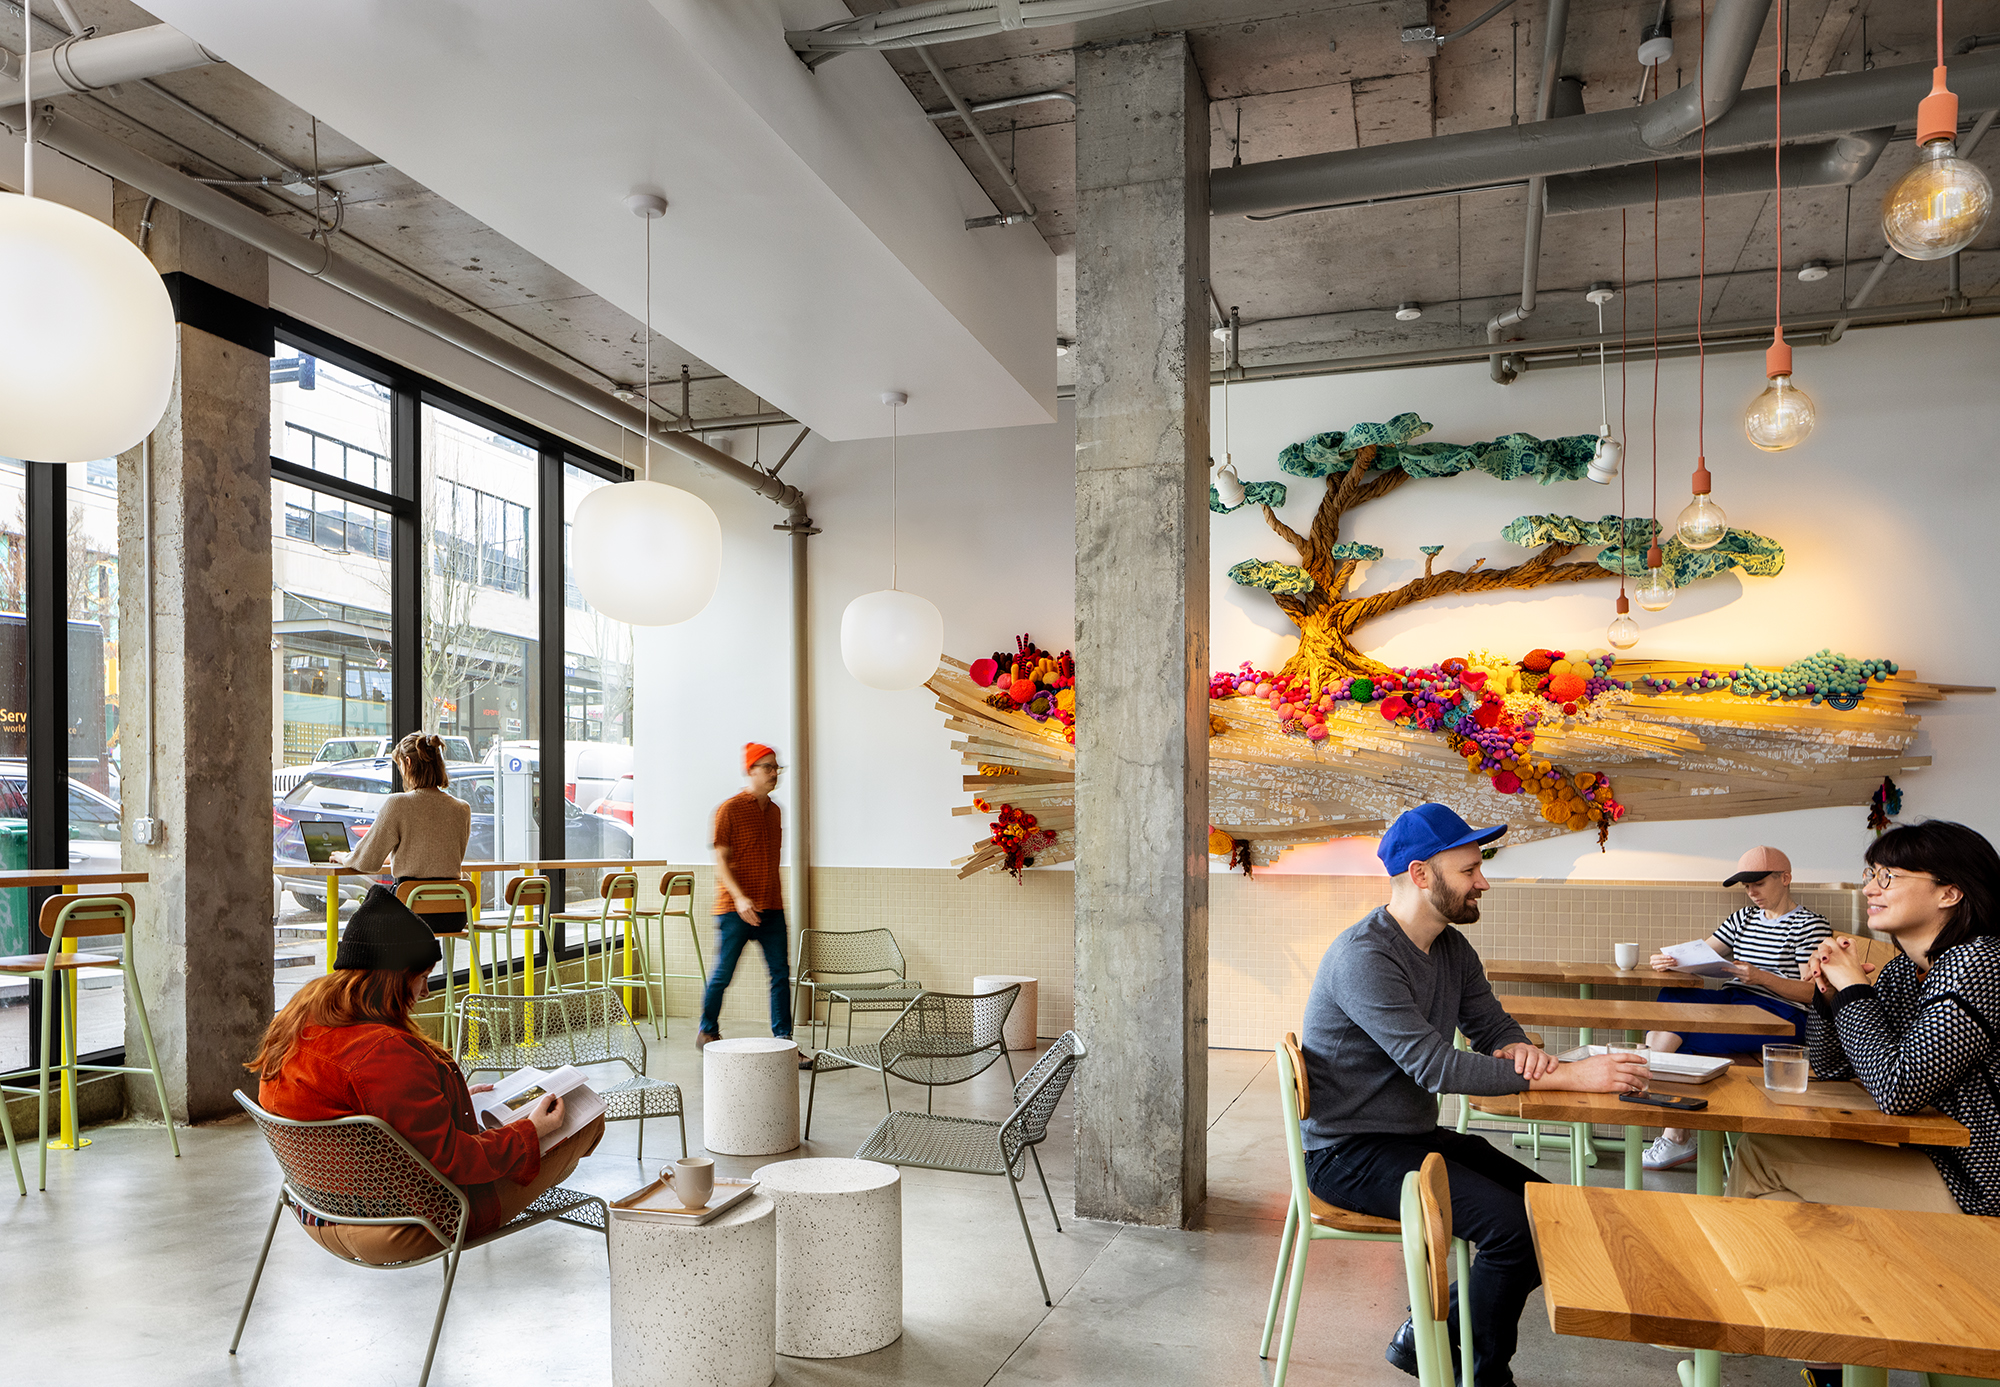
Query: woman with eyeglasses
{"points": [[1924, 1033]]}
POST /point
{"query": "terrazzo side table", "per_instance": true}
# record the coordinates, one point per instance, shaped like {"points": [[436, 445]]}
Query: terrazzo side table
{"points": [[1022, 1022], [750, 1096], [695, 1306], [840, 1255]]}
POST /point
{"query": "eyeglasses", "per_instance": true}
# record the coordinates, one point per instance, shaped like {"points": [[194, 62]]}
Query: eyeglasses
{"points": [[772, 769], [1883, 878]]}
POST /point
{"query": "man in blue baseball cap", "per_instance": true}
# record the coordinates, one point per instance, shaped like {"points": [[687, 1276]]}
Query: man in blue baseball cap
{"points": [[1390, 993]]}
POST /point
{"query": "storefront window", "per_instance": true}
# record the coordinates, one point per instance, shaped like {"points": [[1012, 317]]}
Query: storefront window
{"points": [[597, 704], [16, 920]]}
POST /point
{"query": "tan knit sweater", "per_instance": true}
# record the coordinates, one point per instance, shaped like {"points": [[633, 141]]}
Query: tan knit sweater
{"points": [[424, 833]]}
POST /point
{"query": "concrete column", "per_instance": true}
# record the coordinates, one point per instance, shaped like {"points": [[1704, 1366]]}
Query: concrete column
{"points": [[1142, 633], [204, 930]]}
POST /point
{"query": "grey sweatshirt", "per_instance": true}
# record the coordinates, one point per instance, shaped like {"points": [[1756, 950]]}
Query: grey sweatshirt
{"points": [[1379, 1026]]}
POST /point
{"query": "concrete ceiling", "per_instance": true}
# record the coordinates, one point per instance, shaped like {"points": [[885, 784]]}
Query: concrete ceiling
{"points": [[499, 200]]}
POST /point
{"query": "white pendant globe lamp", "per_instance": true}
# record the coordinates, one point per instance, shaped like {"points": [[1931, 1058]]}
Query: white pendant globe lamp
{"points": [[892, 640], [646, 553], [87, 327]]}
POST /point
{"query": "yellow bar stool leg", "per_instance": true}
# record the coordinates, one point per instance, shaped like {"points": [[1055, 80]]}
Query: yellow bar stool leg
{"points": [[68, 1137], [625, 993], [447, 1030], [332, 917]]}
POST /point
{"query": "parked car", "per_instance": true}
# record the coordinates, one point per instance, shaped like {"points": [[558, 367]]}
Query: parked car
{"points": [[95, 828], [351, 792], [457, 750], [617, 804]]}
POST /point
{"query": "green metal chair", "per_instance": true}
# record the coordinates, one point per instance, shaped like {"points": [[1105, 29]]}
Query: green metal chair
{"points": [[446, 898], [847, 967], [360, 1170], [68, 917], [941, 1038], [612, 887], [1310, 1219], [1427, 1269], [7, 1130], [650, 932], [527, 899], [975, 1146], [500, 1032]]}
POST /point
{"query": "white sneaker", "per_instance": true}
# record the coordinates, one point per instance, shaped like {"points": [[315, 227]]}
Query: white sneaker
{"points": [[1668, 1155]]}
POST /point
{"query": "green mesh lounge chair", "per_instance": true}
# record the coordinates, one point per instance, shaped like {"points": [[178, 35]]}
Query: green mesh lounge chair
{"points": [[941, 1038], [862, 968], [360, 1170], [499, 1032], [975, 1146]]}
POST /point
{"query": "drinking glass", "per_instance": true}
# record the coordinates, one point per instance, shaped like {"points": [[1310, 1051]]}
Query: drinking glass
{"points": [[1633, 1047], [1786, 1069]]}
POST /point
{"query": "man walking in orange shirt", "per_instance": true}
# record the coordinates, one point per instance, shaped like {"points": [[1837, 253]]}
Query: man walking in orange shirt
{"points": [[749, 903]]}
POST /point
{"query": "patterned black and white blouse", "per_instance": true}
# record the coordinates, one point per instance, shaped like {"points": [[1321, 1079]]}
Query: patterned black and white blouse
{"points": [[1917, 1040]]}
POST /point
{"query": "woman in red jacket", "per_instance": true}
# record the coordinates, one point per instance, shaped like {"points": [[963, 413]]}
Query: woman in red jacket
{"points": [[345, 1045]]}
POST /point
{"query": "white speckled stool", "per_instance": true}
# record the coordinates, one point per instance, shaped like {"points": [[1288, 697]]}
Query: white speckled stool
{"points": [[1021, 1028], [695, 1306], [750, 1096], [840, 1255]]}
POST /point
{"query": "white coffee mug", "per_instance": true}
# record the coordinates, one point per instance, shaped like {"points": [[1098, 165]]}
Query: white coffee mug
{"points": [[694, 1181], [1627, 955]]}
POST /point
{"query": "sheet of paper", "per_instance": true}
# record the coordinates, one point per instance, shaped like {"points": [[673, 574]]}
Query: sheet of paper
{"points": [[1696, 957]]}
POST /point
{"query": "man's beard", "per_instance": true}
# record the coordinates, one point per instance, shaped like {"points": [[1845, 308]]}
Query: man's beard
{"points": [[1462, 910]]}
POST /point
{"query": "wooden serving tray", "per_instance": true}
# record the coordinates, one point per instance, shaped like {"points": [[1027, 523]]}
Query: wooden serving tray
{"points": [[657, 1202]]}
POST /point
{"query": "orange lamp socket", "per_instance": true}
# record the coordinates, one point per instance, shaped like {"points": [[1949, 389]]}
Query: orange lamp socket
{"points": [[1778, 356], [1937, 114], [1701, 476], [1624, 604], [1654, 559]]}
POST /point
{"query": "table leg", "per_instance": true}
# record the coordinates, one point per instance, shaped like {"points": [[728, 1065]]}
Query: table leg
{"points": [[332, 917], [1708, 1163], [528, 945], [1852, 1376], [69, 1137], [1635, 1173]]}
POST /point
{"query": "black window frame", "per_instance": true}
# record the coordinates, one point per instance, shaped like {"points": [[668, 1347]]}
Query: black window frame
{"points": [[545, 540]]}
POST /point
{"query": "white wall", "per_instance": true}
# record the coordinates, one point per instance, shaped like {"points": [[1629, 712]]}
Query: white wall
{"points": [[1886, 513]]}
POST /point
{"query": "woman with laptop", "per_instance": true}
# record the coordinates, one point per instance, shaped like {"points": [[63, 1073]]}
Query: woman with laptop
{"points": [[422, 832]]}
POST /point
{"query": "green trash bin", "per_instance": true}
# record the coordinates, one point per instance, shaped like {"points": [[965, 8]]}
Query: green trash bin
{"points": [[17, 921]]}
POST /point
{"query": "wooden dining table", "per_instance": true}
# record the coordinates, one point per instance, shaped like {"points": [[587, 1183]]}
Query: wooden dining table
{"points": [[69, 1135], [1583, 976], [1874, 1288], [1647, 1016]]}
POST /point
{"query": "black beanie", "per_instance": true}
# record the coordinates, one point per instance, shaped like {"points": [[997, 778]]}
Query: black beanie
{"points": [[385, 934]]}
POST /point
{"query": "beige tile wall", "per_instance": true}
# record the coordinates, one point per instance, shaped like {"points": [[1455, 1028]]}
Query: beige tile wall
{"points": [[1266, 934]]}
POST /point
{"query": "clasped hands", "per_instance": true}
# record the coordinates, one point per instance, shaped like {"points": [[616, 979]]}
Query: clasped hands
{"points": [[1834, 965]]}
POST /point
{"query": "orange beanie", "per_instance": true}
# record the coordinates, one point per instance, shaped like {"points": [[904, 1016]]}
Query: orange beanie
{"points": [[753, 752]]}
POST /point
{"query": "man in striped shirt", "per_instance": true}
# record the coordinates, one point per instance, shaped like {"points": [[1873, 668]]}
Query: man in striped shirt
{"points": [[1768, 944]]}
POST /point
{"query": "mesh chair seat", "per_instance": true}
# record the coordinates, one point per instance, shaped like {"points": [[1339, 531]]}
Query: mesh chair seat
{"points": [[939, 1039], [934, 1071], [888, 996], [640, 1096], [968, 1145]]}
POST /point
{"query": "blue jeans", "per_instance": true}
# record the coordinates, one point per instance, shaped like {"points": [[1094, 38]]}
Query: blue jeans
{"points": [[732, 933], [1713, 1043]]}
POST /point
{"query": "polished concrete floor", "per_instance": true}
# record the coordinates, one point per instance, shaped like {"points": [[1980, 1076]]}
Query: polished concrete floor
{"points": [[132, 1267]]}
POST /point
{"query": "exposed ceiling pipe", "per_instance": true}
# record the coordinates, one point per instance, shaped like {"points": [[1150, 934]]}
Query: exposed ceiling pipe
{"points": [[1835, 163], [1555, 24], [1733, 31], [107, 156], [992, 154], [1026, 99], [1822, 107], [105, 60], [944, 21]]}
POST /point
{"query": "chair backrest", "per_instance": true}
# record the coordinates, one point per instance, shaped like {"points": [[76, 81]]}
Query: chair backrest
{"points": [[436, 897], [1036, 1096], [356, 1169], [527, 891], [69, 916], [1294, 1103], [1427, 1260], [1873, 953], [939, 1025], [619, 886], [501, 1032], [674, 884], [832, 953]]}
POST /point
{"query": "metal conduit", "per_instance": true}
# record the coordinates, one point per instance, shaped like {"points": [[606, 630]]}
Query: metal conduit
{"points": [[944, 21], [1841, 162], [1555, 23], [91, 64]]}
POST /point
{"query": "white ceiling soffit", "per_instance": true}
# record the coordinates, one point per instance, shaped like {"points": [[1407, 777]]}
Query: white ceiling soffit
{"points": [[814, 246]]}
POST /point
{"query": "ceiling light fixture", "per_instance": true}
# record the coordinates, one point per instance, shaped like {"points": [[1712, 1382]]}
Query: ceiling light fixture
{"points": [[645, 553], [1702, 525], [1782, 415], [1813, 271], [1623, 632], [1657, 592], [1605, 460], [1940, 206], [1228, 486], [1408, 311], [88, 327], [1063, 344], [891, 639]]}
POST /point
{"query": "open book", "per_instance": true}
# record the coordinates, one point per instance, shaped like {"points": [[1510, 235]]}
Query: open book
{"points": [[514, 1095], [1696, 957]]}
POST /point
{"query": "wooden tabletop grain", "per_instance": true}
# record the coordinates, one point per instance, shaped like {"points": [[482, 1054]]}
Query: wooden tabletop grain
{"points": [[32, 876], [1736, 1103], [1646, 1016], [1871, 1287], [1587, 974]]}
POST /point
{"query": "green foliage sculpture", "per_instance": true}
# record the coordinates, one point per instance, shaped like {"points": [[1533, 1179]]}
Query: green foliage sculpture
{"points": [[1369, 461]]}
